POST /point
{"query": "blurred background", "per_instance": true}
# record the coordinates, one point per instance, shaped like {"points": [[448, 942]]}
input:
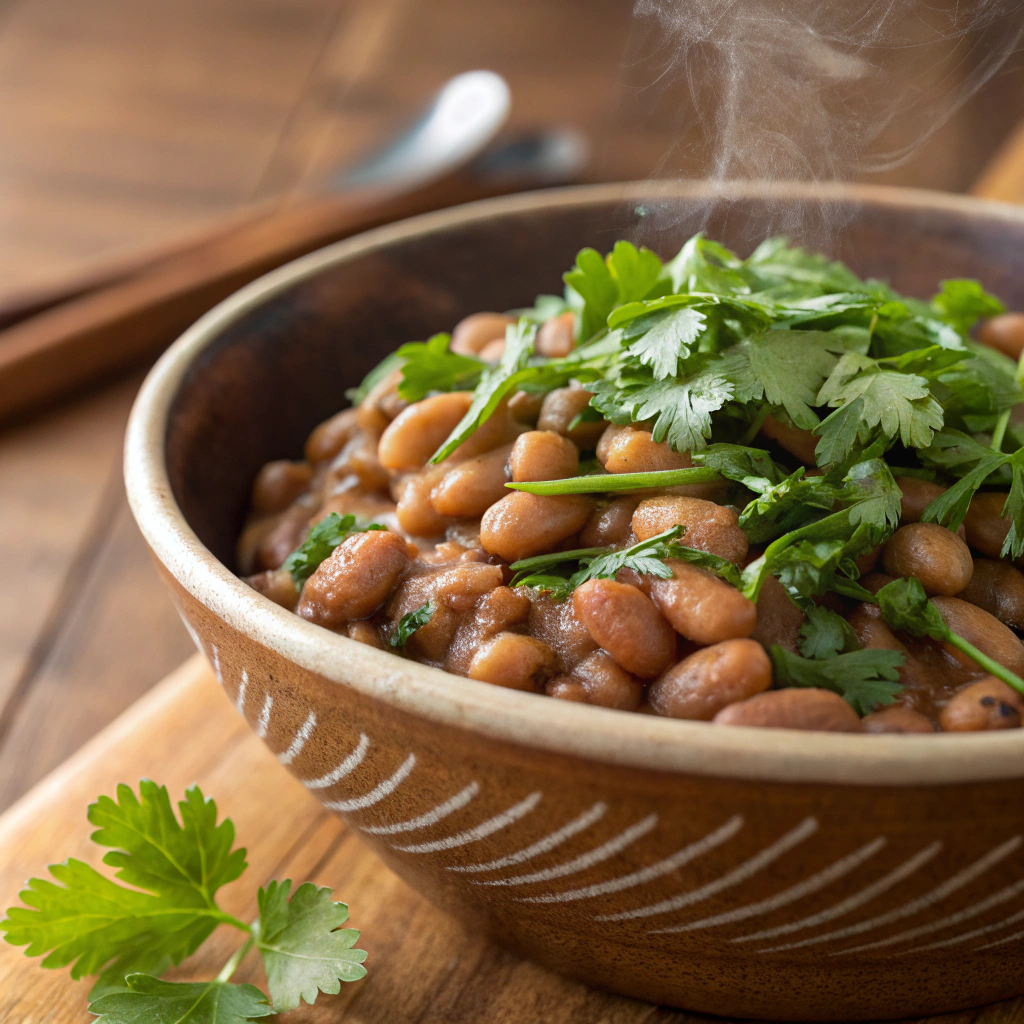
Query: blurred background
{"points": [[130, 124]]}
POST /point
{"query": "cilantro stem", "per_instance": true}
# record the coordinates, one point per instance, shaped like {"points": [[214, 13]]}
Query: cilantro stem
{"points": [[599, 483], [1000, 430], [988, 664], [756, 426], [541, 561], [239, 955]]}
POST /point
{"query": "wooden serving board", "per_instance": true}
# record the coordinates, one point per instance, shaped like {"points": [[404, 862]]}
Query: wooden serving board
{"points": [[423, 967]]}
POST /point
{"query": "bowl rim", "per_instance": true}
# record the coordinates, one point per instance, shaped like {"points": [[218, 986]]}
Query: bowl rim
{"points": [[593, 733]]}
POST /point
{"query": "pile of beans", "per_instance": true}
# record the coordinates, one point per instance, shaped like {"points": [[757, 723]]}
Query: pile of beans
{"points": [[690, 646]]}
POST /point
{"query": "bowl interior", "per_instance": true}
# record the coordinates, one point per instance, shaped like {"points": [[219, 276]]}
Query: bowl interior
{"points": [[283, 366]]}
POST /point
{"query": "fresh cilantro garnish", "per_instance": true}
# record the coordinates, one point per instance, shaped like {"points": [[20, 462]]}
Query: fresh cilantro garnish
{"points": [[495, 384], [647, 557], [826, 634], [409, 623], [869, 399], [145, 998], [864, 679], [963, 302], [660, 340], [905, 606], [607, 483], [163, 906], [322, 540], [431, 366]]}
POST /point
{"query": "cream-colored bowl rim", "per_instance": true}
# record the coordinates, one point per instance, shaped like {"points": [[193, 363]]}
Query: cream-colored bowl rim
{"points": [[602, 735]]}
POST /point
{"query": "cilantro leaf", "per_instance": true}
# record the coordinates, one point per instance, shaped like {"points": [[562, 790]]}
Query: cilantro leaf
{"points": [[826, 634], [147, 999], [387, 365], [304, 948], [752, 467], [596, 285], [864, 679], [867, 398], [905, 606], [962, 302], [322, 540], [91, 922], [706, 266], [661, 340], [431, 366], [409, 623], [681, 408], [786, 368], [494, 385]]}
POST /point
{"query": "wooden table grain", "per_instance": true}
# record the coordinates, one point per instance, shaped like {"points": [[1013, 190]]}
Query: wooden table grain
{"points": [[125, 124]]}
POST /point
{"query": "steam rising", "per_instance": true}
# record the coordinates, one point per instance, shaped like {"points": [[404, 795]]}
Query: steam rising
{"points": [[814, 89]]}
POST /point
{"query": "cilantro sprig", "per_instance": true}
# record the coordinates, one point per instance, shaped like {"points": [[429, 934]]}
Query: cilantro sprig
{"points": [[322, 540], [163, 906], [905, 606], [409, 623]]}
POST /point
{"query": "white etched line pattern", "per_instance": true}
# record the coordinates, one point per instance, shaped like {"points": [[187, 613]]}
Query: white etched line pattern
{"points": [[191, 632], [647, 874], [243, 684], [807, 887], [263, 723], [1015, 937], [350, 764], [215, 664], [930, 898], [746, 870], [548, 843], [967, 936], [950, 921], [481, 831], [432, 817], [379, 792], [300, 740], [585, 860], [851, 903]]}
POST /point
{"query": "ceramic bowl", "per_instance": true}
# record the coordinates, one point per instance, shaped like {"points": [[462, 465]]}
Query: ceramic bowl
{"points": [[756, 873]]}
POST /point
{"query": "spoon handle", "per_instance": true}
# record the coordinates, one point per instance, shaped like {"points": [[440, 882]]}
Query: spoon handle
{"points": [[85, 333]]}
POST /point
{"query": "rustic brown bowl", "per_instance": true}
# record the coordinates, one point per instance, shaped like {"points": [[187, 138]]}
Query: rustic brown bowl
{"points": [[767, 873]]}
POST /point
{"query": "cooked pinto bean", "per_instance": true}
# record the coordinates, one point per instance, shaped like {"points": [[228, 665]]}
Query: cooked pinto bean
{"points": [[917, 496], [499, 429], [522, 525], [627, 625], [415, 510], [471, 487], [997, 587], [415, 434], [557, 625], [800, 443], [702, 606], [636, 451], [709, 527], [986, 529], [501, 608], [283, 537], [982, 630], [376, 410], [561, 407], [896, 719], [355, 579], [874, 581], [793, 708], [555, 339], [987, 704], [365, 633], [935, 555], [524, 407], [871, 629], [512, 660], [472, 334], [1005, 333], [492, 351], [700, 686], [543, 455], [866, 563], [331, 436], [277, 585], [600, 680], [779, 620], [357, 459], [611, 524]]}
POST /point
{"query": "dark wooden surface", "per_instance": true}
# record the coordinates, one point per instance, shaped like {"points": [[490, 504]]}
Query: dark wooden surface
{"points": [[126, 124]]}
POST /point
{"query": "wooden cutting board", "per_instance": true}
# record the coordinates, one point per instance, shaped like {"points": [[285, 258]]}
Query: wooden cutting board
{"points": [[423, 967]]}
